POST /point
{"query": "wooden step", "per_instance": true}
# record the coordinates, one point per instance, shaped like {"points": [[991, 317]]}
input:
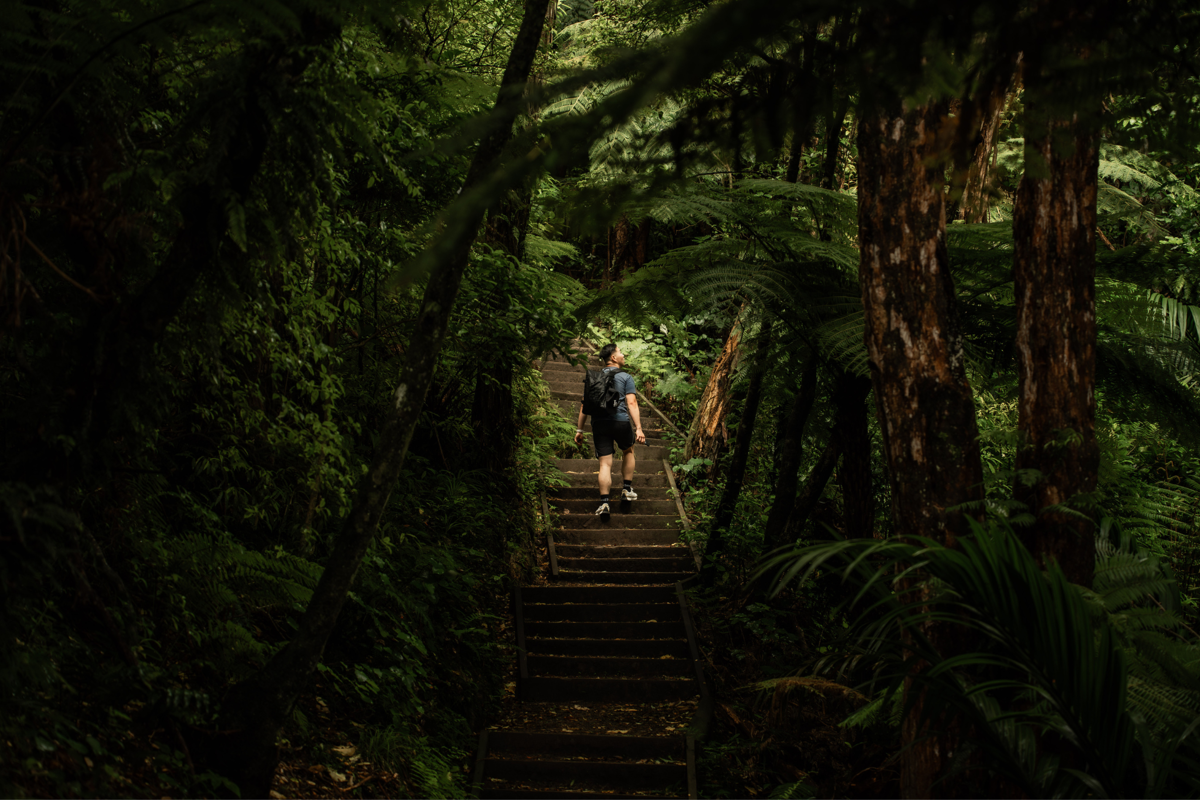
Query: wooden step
{"points": [[616, 536], [604, 630], [601, 612], [642, 479], [680, 563], [591, 492], [587, 745], [590, 466], [640, 578], [642, 648], [640, 506], [605, 666], [493, 793], [608, 690], [654, 448], [598, 594], [624, 774], [617, 521], [679, 550]]}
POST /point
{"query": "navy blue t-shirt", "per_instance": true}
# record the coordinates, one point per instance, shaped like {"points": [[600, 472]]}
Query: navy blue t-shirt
{"points": [[624, 384]]}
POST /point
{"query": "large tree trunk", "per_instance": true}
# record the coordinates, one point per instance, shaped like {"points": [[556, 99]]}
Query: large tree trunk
{"points": [[930, 437], [789, 456], [927, 414], [1054, 228], [707, 434], [254, 709], [736, 475]]}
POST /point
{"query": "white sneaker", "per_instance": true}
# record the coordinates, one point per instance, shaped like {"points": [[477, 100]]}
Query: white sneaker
{"points": [[603, 512], [628, 494]]}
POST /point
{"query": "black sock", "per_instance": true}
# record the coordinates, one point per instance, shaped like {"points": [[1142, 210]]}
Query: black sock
{"points": [[628, 486], [603, 498]]}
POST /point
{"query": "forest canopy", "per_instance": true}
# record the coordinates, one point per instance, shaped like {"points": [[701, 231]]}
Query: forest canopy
{"points": [[918, 282]]}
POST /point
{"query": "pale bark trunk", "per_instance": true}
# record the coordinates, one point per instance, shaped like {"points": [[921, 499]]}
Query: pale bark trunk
{"points": [[707, 435], [977, 193], [255, 709], [736, 475]]}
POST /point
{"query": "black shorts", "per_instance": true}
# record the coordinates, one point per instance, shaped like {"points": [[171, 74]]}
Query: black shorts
{"points": [[607, 431]]}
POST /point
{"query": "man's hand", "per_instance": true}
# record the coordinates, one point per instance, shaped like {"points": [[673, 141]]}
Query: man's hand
{"points": [[641, 437], [578, 437]]}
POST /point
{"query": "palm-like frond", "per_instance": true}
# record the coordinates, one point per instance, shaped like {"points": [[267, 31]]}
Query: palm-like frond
{"points": [[1045, 658]]}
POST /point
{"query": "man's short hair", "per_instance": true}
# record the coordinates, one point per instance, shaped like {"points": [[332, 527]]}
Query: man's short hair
{"points": [[606, 353]]}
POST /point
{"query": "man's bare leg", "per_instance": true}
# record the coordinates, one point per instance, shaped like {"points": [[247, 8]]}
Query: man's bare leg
{"points": [[628, 462], [606, 474]]}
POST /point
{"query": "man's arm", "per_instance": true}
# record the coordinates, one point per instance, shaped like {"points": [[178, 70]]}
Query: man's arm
{"points": [[635, 415], [579, 423]]}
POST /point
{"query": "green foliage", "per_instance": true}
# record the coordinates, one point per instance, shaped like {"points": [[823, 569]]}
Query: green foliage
{"points": [[1106, 675]]}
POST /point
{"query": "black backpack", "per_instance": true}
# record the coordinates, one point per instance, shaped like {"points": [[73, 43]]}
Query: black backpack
{"points": [[600, 395]]}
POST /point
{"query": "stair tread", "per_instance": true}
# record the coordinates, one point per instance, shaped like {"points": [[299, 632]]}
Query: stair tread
{"points": [[608, 629]]}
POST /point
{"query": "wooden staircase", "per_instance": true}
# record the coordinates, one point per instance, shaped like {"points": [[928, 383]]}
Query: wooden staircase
{"points": [[607, 675]]}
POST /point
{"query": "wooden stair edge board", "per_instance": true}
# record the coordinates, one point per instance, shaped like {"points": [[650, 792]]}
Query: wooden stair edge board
{"points": [[541, 742], [606, 773], [627, 690], [568, 594], [490, 792]]}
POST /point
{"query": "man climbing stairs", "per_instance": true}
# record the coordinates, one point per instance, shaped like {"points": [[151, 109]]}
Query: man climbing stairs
{"points": [[607, 673]]}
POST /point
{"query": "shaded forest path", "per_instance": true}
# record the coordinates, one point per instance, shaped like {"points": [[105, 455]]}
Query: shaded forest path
{"points": [[607, 677]]}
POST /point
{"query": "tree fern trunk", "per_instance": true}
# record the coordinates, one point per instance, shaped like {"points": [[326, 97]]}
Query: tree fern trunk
{"points": [[814, 486], [624, 256], [789, 457], [1054, 229], [927, 413], [976, 193], [254, 710], [735, 478], [707, 434]]}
